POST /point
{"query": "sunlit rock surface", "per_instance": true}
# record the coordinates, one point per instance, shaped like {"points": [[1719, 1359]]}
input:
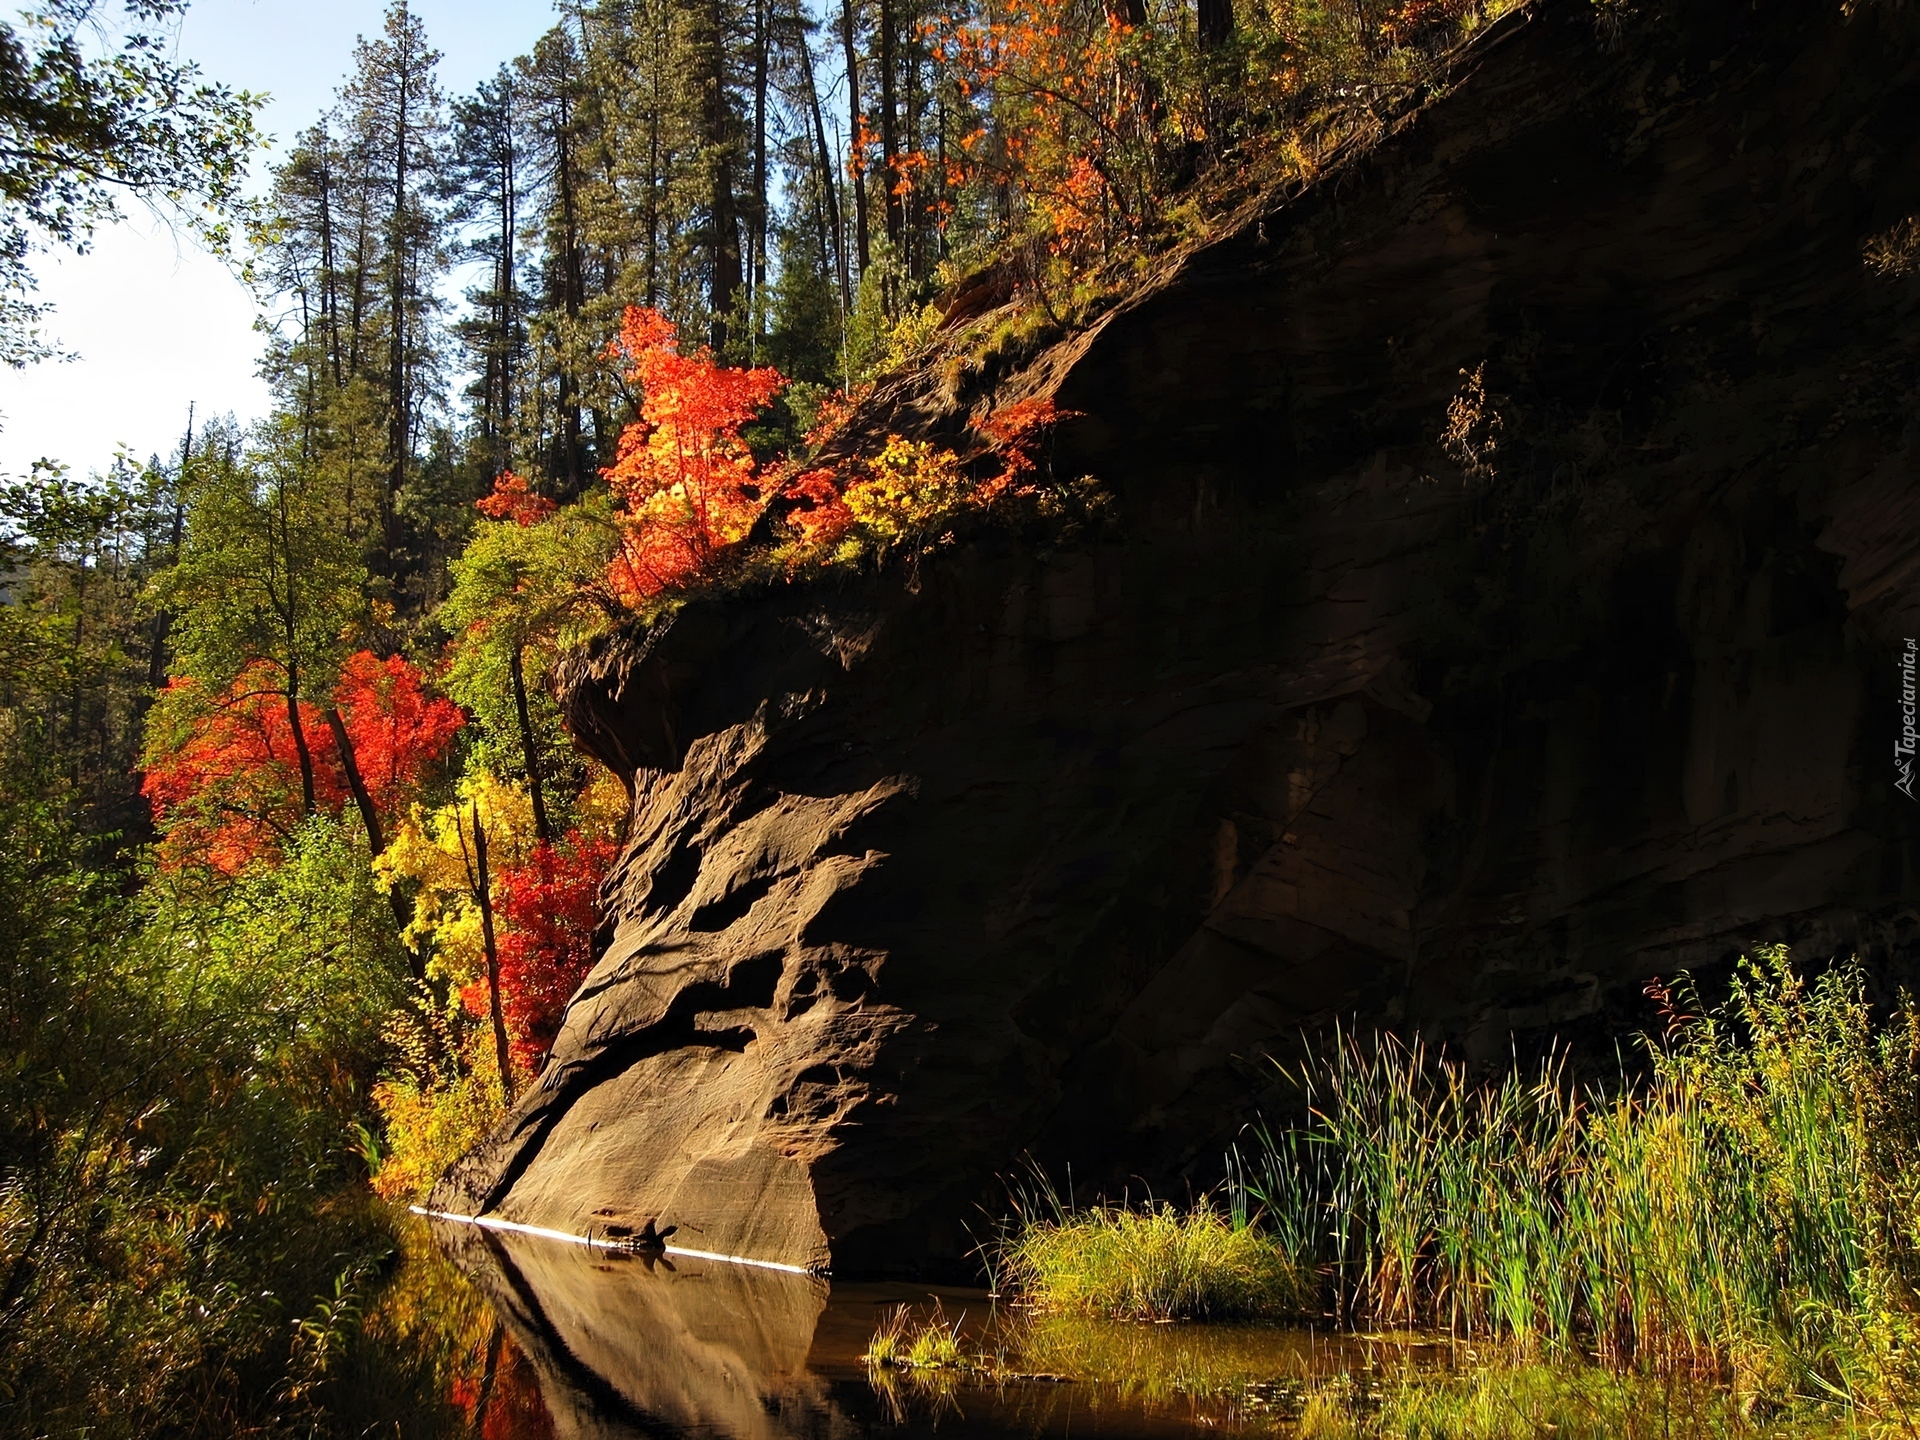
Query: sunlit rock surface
{"points": [[1040, 852]]}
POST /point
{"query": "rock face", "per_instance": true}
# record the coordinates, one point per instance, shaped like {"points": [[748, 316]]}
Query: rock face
{"points": [[1039, 852]]}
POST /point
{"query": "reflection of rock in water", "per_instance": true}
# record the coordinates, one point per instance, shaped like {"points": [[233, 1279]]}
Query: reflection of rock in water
{"points": [[626, 1346]]}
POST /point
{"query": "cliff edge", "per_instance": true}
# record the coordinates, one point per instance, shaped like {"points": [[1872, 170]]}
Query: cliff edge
{"points": [[1387, 692]]}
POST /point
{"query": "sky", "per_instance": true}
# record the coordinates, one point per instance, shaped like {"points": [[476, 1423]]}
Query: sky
{"points": [[157, 323]]}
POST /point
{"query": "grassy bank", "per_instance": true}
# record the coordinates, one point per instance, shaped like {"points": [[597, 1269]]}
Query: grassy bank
{"points": [[1746, 1218], [1749, 1213]]}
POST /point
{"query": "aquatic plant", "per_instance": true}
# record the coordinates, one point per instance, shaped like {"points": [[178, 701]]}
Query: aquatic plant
{"points": [[1152, 1262], [1746, 1214], [907, 1341]]}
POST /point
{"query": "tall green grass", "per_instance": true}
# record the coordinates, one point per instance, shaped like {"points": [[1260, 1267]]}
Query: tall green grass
{"points": [[1151, 1263], [1749, 1213]]}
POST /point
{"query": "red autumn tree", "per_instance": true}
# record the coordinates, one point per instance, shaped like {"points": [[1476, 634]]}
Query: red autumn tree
{"points": [[687, 483], [223, 772], [498, 1391], [397, 729], [547, 908]]}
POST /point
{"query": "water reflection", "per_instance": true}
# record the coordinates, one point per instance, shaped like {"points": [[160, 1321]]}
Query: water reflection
{"points": [[625, 1346], [629, 1345]]}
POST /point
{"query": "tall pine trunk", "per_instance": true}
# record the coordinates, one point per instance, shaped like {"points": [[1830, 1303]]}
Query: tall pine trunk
{"points": [[398, 415], [890, 127], [573, 287], [757, 221], [856, 159], [829, 183], [723, 239]]}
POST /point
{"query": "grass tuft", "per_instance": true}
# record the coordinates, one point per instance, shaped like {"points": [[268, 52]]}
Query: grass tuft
{"points": [[1152, 1263], [906, 1342]]}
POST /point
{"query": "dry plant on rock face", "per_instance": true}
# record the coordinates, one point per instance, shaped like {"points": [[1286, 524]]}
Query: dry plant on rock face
{"points": [[1472, 436], [1895, 251]]}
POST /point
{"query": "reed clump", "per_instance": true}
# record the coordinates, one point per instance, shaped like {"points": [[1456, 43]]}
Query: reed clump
{"points": [[907, 1341], [1748, 1214], [1154, 1262]]}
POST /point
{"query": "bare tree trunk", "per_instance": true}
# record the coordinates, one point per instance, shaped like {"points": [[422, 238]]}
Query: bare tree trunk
{"points": [[1214, 22], [300, 747], [542, 827], [329, 280], [509, 239], [483, 892], [356, 783], [829, 184], [369, 817], [723, 241], [889, 127], [757, 222], [573, 284], [399, 411]]}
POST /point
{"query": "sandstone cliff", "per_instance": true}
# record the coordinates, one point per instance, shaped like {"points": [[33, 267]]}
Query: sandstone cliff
{"points": [[1040, 851]]}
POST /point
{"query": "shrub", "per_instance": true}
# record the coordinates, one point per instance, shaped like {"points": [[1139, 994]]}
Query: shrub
{"points": [[1152, 1263], [173, 1188], [432, 1114]]}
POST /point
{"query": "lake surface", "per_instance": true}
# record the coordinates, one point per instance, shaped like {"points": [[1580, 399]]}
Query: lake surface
{"points": [[610, 1345]]}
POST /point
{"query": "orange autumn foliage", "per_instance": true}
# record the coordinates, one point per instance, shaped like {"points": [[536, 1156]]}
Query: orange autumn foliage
{"points": [[1064, 111], [688, 487], [397, 729], [687, 484], [913, 489], [819, 512], [499, 1394], [1016, 432], [510, 499], [224, 778]]}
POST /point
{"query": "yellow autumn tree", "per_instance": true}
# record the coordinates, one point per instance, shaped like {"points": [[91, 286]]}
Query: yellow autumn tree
{"points": [[459, 1079]]}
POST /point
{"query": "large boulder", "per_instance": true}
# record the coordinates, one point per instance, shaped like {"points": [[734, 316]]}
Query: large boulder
{"points": [[1347, 712]]}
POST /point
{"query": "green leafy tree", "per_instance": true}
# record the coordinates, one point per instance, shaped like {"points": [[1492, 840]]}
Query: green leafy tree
{"points": [[87, 122], [268, 585], [525, 588], [78, 642], [173, 1190]]}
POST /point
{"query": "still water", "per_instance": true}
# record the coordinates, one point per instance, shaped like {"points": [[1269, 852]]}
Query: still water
{"points": [[564, 1341]]}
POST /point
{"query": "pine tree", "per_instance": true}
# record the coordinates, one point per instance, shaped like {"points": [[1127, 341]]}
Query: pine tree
{"points": [[395, 117], [484, 181], [550, 86]]}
